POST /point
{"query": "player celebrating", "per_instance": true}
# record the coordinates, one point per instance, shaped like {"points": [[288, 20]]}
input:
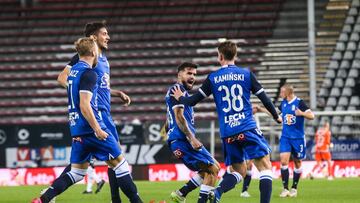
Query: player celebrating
{"points": [[322, 149], [98, 31], [92, 176], [91, 138], [231, 87], [183, 143], [292, 141]]}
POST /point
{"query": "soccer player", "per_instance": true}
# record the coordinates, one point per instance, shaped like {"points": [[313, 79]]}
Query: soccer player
{"points": [[292, 140], [231, 87], [92, 176], [322, 149], [90, 136], [98, 31], [183, 143]]}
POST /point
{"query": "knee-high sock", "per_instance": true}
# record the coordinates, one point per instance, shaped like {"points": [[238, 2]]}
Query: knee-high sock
{"points": [[114, 188], [285, 176], [265, 186], [125, 181], [297, 175], [229, 180], [62, 183], [193, 183], [204, 193], [66, 170], [247, 181]]}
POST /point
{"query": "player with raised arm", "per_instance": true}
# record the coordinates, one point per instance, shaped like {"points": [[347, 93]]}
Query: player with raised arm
{"points": [[322, 150], [90, 136], [231, 87], [292, 140], [98, 31], [183, 143]]}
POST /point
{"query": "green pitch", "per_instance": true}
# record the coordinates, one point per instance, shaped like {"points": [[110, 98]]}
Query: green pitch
{"points": [[310, 191]]}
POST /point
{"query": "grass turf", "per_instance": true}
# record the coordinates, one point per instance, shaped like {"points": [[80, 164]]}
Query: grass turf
{"points": [[309, 191]]}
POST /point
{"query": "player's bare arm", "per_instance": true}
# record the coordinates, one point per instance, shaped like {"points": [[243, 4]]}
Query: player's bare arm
{"points": [[308, 114], [122, 95], [88, 113], [62, 77], [181, 122]]}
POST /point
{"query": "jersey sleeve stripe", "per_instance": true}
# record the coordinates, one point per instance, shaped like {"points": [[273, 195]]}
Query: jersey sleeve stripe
{"points": [[202, 92], [178, 105], [86, 91], [259, 91]]}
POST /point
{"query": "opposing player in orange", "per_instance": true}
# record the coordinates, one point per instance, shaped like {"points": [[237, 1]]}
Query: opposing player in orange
{"points": [[322, 149]]}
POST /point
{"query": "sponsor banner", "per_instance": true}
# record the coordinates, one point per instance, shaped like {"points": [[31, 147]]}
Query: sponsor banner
{"points": [[159, 172], [136, 154], [40, 176], [131, 134], [57, 135], [342, 149], [34, 135], [179, 172]]}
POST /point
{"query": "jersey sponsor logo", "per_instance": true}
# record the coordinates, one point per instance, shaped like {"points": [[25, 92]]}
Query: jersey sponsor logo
{"points": [[289, 119], [73, 116], [178, 153], [234, 119], [105, 81], [229, 77]]}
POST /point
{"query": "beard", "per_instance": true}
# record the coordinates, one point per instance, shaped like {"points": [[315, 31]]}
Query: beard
{"points": [[188, 85]]}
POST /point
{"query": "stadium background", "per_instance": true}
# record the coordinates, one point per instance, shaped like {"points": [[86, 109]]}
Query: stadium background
{"points": [[148, 40]]}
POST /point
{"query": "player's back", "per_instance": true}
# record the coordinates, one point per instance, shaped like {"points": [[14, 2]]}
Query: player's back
{"points": [[78, 123], [231, 87], [171, 103]]}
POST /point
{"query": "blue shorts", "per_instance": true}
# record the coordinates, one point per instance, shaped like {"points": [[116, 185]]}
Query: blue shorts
{"points": [[245, 146], [86, 146], [297, 147], [193, 159], [110, 125]]}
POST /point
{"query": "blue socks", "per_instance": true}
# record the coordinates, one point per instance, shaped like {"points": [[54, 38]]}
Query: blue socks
{"points": [[193, 183], [265, 186], [247, 181], [62, 183], [125, 181], [204, 193], [114, 188], [67, 169], [297, 175], [285, 176], [229, 180]]}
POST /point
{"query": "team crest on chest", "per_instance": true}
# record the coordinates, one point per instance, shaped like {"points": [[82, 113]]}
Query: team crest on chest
{"points": [[289, 119]]}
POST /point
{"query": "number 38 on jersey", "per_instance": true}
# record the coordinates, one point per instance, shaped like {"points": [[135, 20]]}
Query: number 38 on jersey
{"points": [[232, 102]]}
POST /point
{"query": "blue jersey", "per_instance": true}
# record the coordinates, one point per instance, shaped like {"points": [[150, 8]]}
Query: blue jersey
{"points": [[293, 126], [231, 87], [82, 78], [174, 132], [103, 71]]}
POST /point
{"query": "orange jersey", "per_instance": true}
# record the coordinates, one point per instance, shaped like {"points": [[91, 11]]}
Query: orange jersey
{"points": [[322, 140]]}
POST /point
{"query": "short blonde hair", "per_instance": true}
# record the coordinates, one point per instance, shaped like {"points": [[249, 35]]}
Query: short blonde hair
{"points": [[85, 46], [289, 88]]}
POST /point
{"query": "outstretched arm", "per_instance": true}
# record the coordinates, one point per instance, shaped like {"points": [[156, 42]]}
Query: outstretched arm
{"points": [[203, 92], [123, 96], [260, 93]]}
